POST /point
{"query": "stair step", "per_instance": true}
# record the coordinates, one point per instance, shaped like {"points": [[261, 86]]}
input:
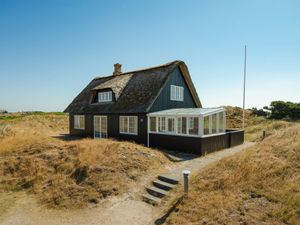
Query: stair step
{"points": [[151, 199], [157, 192], [168, 178], [163, 185]]}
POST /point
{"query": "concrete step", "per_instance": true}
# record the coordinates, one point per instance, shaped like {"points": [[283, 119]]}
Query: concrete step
{"points": [[163, 185], [168, 178], [157, 192], [151, 199]]}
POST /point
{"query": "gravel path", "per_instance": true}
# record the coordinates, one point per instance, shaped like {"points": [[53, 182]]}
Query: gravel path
{"points": [[125, 210]]}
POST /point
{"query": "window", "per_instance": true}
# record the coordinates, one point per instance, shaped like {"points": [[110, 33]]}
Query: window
{"points": [[79, 122], [221, 122], [206, 125], [128, 124], [105, 96], [181, 125], [171, 125], [153, 124], [193, 125], [161, 124], [176, 93], [214, 123]]}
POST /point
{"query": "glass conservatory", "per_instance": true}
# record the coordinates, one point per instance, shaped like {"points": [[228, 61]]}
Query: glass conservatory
{"points": [[195, 122]]}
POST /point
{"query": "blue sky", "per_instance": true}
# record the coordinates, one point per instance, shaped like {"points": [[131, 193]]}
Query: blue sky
{"points": [[50, 50]]}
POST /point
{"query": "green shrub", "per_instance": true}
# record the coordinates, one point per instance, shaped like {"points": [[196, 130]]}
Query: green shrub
{"points": [[284, 110]]}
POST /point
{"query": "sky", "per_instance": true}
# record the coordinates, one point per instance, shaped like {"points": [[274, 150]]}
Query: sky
{"points": [[50, 50]]}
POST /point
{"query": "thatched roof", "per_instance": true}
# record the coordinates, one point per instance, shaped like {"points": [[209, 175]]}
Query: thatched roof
{"points": [[135, 91]]}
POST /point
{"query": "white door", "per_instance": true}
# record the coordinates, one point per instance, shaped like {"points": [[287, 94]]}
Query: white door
{"points": [[100, 126]]}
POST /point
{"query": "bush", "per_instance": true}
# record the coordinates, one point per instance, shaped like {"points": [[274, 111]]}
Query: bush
{"points": [[284, 110], [259, 112]]}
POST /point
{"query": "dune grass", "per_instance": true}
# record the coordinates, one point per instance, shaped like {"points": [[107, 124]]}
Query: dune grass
{"points": [[258, 186], [254, 125], [68, 174]]}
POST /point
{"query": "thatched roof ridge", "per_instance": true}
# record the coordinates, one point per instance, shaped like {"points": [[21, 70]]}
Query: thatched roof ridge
{"points": [[135, 91], [143, 69]]}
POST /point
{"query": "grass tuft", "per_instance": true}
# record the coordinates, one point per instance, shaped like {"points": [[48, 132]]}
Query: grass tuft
{"points": [[261, 185]]}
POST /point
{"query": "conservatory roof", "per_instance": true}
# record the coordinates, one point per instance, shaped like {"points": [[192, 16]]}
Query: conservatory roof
{"points": [[187, 112]]}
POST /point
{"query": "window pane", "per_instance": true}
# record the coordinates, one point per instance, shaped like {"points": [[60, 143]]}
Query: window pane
{"points": [[221, 127], [153, 124], [103, 124], [162, 124], [193, 125], [180, 93], [176, 93], [132, 125], [171, 125], [105, 96], [128, 124], [79, 122], [124, 124], [76, 121], [184, 121], [214, 123], [206, 125], [81, 125], [179, 125]]}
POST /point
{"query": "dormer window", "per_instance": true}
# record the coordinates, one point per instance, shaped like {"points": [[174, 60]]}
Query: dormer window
{"points": [[105, 96]]}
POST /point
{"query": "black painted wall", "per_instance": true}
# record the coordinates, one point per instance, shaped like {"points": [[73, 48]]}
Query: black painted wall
{"points": [[197, 145], [113, 127], [164, 102]]}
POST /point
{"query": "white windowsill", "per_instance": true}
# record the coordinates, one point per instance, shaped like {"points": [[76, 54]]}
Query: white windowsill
{"points": [[79, 128], [174, 134], [175, 100], [128, 133], [186, 135], [210, 135]]}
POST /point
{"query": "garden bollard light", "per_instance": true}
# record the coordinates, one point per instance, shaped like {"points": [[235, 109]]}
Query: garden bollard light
{"points": [[186, 174]]}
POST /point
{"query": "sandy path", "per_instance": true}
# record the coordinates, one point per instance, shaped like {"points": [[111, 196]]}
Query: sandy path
{"points": [[117, 211], [126, 210]]}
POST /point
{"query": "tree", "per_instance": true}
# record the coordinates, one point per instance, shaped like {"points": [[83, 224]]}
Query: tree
{"points": [[281, 110]]}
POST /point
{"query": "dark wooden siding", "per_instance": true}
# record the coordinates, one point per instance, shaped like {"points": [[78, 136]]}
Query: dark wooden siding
{"points": [[87, 131], [113, 127], [236, 137], [163, 100], [113, 130], [214, 143], [197, 145], [176, 143]]}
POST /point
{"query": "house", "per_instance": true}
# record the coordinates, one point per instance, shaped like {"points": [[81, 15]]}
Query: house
{"points": [[157, 107]]}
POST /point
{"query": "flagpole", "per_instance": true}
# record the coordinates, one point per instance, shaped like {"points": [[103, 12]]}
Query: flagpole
{"points": [[244, 90]]}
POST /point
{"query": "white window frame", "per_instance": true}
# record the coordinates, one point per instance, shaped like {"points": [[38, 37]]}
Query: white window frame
{"points": [[77, 119], [167, 125], [162, 124], [177, 93], [128, 119], [105, 96]]}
